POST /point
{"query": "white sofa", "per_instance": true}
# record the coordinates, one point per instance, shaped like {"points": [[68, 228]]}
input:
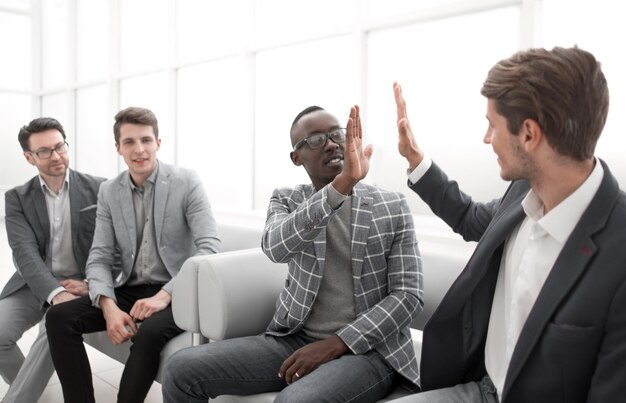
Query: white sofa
{"points": [[236, 293]]}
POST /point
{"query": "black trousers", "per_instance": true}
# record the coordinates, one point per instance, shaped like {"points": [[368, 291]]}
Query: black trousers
{"points": [[67, 322]]}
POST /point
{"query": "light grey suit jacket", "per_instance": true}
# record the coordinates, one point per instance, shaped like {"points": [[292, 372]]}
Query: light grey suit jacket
{"points": [[386, 267], [28, 231], [183, 221]]}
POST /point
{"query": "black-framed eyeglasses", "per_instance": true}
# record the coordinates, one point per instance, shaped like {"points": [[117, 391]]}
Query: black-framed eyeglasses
{"points": [[318, 140], [45, 153]]}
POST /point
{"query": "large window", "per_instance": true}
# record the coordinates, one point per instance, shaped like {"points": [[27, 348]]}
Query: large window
{"points": [[95, 146], [215, 131], [441, 75], [226, 78], [15, 39], [289, 79], [16, 76]]}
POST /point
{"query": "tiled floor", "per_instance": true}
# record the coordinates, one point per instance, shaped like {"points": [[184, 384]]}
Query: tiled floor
{"points": [[106, 371]]}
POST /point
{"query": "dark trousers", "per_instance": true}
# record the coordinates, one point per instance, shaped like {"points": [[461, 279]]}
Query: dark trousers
{"points": [[67, 322]]}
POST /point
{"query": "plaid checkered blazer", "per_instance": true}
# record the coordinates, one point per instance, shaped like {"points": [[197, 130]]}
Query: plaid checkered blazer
{"points": [[386, 267]]}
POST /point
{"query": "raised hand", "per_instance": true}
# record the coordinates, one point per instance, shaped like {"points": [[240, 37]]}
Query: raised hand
{"points": [[356, 160], [407, 146]]}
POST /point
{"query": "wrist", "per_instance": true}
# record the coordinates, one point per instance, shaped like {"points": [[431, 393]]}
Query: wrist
{"points": [[414, 158], [343, 185], [57, 296]]}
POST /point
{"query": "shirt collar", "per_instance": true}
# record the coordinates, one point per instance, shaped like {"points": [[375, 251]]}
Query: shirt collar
{"points": [[151, 178], [562, 219], [66, 183]]}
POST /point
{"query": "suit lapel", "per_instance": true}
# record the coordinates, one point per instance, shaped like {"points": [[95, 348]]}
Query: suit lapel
{"points": [[488, 249], [161, 191], [76, 197], [126, 204], [360, 219], [41, 208], [569, 266]]}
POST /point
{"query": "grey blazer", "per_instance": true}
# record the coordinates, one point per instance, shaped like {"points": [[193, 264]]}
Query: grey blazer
{"points": [[572, 347], [386, 268], [28, 231], [184, 227]]}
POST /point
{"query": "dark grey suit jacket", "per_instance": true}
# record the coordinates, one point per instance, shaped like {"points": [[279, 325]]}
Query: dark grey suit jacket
{"points": [[572, 347], [28, 231]]}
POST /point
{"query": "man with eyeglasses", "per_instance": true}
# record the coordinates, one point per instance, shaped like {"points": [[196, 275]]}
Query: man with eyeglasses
{"points": [[340, 331], [50, 222]]}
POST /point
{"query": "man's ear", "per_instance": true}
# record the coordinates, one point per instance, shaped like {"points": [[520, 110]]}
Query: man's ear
{"points": [[531, 134], [295, 158], [29, 158]]}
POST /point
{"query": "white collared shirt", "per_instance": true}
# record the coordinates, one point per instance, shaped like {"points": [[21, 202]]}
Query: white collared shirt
{"points": [[60, 258]]}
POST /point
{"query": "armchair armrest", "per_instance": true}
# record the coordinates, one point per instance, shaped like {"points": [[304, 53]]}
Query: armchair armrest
{"points": [[185, 296], [237, 293]]}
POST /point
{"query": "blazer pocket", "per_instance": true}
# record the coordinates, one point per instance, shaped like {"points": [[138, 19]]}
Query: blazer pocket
{"points": [[90, 207], [568, 332], [569, 354]]}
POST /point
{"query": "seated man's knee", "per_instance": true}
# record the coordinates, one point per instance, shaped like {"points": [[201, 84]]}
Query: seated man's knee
{"points": [[57, 319], [176, 370], [297, 393]]}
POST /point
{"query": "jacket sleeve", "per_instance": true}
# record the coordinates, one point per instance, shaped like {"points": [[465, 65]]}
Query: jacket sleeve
{"points": [[200, 218], [103, 253], [288, 232], [405, 297], [200, 221], [466, 217], [26, 250]]}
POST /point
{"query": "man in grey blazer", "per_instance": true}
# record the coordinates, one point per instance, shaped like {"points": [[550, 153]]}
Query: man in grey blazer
{"points": [[341, 326], [538, 314], [50, 222], [156, 216]]}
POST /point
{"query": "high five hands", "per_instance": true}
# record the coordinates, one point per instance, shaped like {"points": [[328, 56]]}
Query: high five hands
{"points": [[356, 160], [407, 146]]}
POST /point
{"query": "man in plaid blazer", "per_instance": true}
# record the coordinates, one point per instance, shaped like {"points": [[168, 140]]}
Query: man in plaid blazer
{"points": [[341, 327]]}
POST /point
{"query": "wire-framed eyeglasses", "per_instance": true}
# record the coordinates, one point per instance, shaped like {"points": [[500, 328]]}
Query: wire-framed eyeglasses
{"points": [[46, 153], [318, 140]]}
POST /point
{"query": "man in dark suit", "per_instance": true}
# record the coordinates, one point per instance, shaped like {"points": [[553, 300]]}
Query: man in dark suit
{"points": [[50, 222], [538, 314]]}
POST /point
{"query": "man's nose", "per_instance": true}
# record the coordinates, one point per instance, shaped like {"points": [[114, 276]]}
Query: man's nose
{"points": [[331, 144], [487, 138]]}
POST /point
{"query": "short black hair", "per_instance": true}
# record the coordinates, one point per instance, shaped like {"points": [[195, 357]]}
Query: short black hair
{"points": [[37, 126], [304, 112]]}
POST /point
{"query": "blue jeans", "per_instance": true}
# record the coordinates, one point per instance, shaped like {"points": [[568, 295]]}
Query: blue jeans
{"points": [[249, 365], [472, 392]]}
